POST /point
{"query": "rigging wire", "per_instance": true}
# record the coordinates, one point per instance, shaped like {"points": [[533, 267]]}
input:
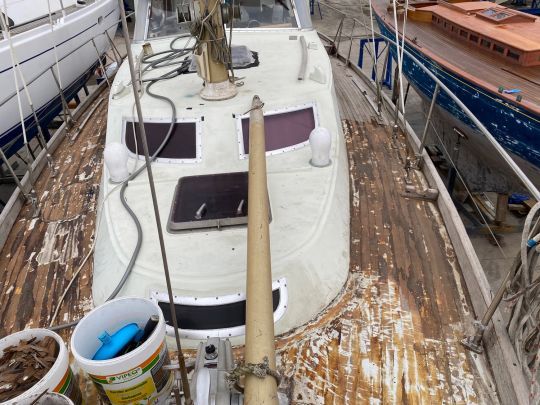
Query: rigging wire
{"points": [[399, 57], [484, 219], [6, 29], [54, 43]]}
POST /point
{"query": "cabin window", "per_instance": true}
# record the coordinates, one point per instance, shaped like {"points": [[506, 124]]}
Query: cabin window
{"points": [[453, 28], [463, 33], [169, 17], [445, 24], [433, 18], [286, 130], [222, 316], [485, 43], [184, 144], [473, 38], [498, 48], [513, 55], [265, 14]]}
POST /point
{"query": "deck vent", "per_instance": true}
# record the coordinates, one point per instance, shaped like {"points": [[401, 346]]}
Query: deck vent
{"points": [[223, 316]]}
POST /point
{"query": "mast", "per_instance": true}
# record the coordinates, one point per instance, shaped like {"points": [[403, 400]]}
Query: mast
{"points": [[259, 309], [213, 54]]}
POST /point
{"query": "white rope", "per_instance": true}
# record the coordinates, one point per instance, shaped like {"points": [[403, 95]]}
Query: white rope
{"points": [[399, 57], [54, 44]]}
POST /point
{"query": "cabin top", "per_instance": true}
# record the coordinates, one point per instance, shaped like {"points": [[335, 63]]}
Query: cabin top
{"points": [[498, 23]]}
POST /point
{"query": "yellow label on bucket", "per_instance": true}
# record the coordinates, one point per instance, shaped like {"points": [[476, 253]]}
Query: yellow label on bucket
{"points": [[138, 392], [138, 384]]}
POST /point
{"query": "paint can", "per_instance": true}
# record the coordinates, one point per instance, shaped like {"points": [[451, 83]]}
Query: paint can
{"points": [[137, 377], [59, 379]]}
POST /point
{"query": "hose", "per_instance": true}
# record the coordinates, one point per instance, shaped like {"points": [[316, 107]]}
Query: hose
{"points": [[152, 64]]}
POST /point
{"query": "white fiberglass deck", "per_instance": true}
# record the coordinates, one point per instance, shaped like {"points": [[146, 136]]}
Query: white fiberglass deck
{"points": [[310, 211]]}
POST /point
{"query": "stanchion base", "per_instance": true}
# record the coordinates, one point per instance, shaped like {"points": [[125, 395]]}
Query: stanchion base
{"points": [[469, 344]]}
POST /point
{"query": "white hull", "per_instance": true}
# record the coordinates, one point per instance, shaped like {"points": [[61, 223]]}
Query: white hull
{"points": [[35, 51]]}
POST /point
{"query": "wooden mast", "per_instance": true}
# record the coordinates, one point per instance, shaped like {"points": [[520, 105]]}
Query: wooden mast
{"points": [[259, 308]]}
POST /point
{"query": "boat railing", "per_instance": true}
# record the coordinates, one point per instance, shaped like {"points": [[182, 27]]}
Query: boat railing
{"points": [[53, 65]]}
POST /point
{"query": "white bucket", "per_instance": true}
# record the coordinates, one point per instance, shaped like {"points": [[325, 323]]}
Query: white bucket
{"points": [[137, 377], [59, 378], [47, 399]]}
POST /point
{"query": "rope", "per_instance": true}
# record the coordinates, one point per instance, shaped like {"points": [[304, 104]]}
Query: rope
{"points": [[54, 43], [259, 370], [523, 295], [5, 27]]}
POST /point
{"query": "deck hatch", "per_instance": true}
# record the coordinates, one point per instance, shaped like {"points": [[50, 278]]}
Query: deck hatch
{"points": [[208, 201], [285, 129], [222, 316], [182, 145]]}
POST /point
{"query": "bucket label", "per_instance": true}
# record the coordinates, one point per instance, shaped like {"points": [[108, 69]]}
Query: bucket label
{"points": [[141, 383], [68, 386], [136, 393]]}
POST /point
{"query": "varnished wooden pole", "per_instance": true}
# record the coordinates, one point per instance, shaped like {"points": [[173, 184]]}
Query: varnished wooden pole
{"points": [[259, 308]]}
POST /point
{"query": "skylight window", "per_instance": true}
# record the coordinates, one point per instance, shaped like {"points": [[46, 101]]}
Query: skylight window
{"points": [[286, 129], [184, 145]]}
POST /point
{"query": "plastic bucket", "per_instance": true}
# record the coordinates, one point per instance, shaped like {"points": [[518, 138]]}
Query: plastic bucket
{"points": [[137, 377], [59, 378], [47, 399]]}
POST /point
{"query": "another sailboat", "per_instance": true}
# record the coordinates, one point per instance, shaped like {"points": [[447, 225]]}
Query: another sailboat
{"points": [[57, 44]]}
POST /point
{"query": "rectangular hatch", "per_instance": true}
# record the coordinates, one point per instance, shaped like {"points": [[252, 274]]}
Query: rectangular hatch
{"points": [[209, 201]]}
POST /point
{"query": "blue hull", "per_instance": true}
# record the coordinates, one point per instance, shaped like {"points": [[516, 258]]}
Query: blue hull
{"points": [[12, 140], [515, 128]]}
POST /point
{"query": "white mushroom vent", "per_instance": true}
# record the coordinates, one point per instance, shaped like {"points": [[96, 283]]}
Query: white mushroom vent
{"points": [[116, 157], [320, 142]]}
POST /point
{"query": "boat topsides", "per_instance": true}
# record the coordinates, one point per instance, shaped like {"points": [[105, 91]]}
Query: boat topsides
{"points": [[309, 227], [457, 46]]}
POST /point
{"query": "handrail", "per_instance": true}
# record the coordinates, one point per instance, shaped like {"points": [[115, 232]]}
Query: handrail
{"points": [[515, 168], [5, 100]]}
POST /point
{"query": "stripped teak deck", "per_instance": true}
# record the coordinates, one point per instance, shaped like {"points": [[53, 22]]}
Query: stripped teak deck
{"points": [[392, 336], [41, 254]]}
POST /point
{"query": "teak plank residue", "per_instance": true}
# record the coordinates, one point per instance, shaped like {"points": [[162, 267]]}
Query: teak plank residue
{"points": [[41, 254], [393, 335]]}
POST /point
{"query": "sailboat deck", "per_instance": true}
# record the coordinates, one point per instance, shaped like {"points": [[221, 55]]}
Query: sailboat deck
{"points": [[481, 67], [393, 334]]}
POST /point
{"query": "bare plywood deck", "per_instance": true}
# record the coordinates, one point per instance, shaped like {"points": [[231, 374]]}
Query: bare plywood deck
{"points": [[392, 336], [41, 254]]}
